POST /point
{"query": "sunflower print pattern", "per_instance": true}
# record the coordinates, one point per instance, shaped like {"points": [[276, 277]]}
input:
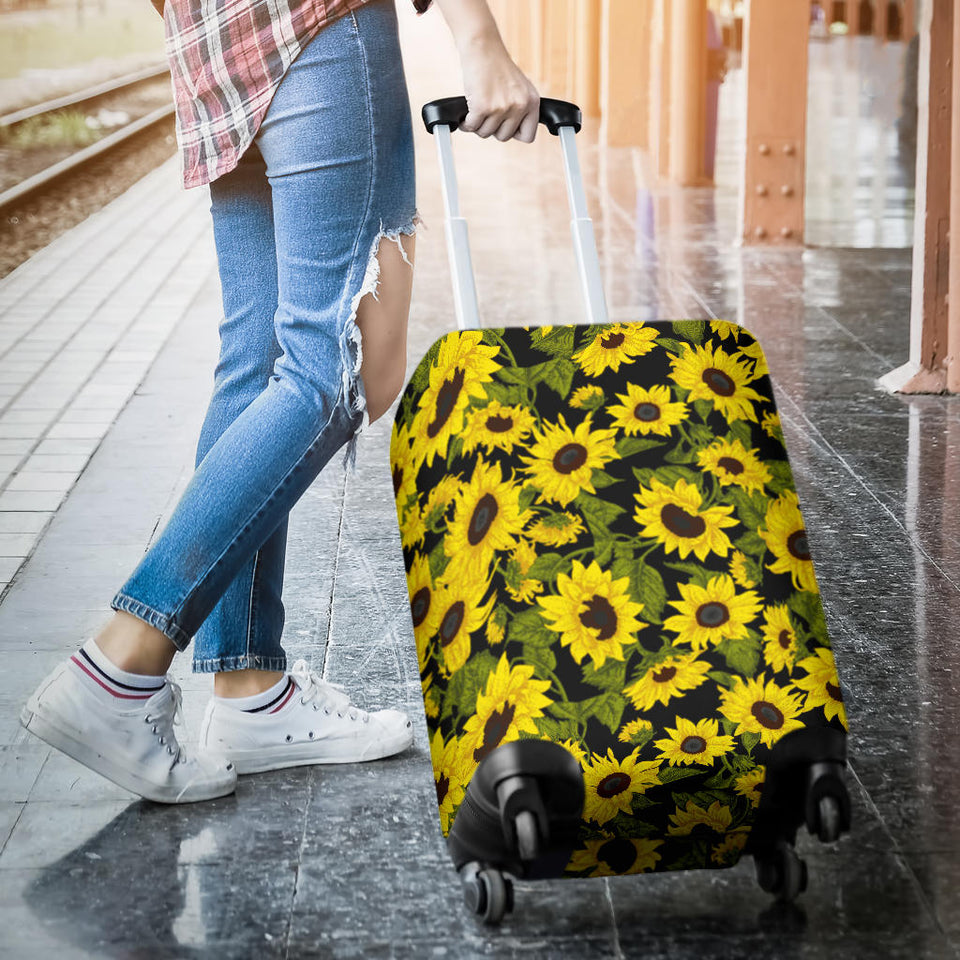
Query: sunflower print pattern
{"points": [[604, 548]]}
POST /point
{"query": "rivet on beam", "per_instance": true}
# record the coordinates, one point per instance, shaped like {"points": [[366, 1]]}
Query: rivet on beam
{"points": [[761, 190], [787, 190]]}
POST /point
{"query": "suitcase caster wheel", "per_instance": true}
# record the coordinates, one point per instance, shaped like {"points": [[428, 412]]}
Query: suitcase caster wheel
{"points": [[528, 835], [782, 873], [488, 895], [829, 816]]}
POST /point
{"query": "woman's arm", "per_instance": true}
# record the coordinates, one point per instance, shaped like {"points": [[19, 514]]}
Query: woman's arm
{"points": [[501, 99]]}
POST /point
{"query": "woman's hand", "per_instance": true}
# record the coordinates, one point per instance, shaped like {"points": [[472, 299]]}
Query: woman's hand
{"points": [[501, 99]]}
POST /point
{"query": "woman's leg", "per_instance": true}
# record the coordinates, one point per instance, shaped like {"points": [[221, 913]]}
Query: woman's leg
{"points": [[340, 170]]}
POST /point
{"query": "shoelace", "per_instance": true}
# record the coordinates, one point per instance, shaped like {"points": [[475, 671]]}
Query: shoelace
{"points": [[163, 720], [329, 696]]}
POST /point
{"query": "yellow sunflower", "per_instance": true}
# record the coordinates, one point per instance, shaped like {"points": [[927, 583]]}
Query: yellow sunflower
{"points": [[637, 732], [786, 538], [670, 678], [753, 351], [412, 527], [729, 852], [716, 817], [780, 638], [822, 685], [713, 614], [451, 774], [494, 633], [738, 569], [420, 588], [611, 784], [690, 742], [463, 365], [724, 329], [586, 398], [442, 495], [511, 700], [647, 411], [718, 377], [759, 707], [403, 467], [593, 613], [524, 555], [496, 427], [576, 748], [556, 529], [616, 343], [486, 518], [456, 613], [562, 460], [772, 426], [750, 785], [731, 463], [673, 516], [615, 856]]}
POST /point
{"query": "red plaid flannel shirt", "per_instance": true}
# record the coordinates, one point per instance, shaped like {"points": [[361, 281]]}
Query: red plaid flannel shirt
{"points": [[227, 58]]}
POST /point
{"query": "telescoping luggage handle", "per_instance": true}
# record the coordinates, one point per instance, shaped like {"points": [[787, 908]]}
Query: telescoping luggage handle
{"points": [[561, 119]]}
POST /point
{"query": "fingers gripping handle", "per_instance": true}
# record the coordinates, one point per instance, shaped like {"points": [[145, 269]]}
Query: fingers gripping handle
{"points": [[563, 119]]}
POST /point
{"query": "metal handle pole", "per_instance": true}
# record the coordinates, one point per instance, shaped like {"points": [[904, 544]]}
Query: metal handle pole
{"points": [[581, 228], [458, 243]]}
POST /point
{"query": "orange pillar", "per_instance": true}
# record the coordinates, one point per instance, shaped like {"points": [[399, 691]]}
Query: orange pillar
{"points": [[660, 77], [932, 337], [908, 17], [880, 19], [688, 92], [953, 316], [623, 55], [775, 62], [555, 50], [586, 74]]}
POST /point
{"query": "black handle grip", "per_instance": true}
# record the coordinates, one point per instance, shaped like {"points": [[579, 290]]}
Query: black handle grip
{"points": [[452, 111]]}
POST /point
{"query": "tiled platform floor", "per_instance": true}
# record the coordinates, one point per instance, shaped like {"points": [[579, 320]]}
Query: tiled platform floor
{"points": [[349, 862]]}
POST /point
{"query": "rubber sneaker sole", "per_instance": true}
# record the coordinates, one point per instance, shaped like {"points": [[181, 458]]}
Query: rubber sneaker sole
{"points": [[280, 756], [66, 742]]}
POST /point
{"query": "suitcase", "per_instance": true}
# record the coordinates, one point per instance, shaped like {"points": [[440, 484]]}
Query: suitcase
{"points": [[624, 659]]}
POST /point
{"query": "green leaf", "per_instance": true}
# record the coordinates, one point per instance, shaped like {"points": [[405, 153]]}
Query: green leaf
{"points": [[704, 408], [600, 479], [668, 475], [548, 565], [631, 446], [723, 679], [509, 396], [528, 627], [680, 454], [649, 588], [742, 656], [749, 741], [672, 774], [672, 346], [808, 606], [557, 730], [752, 544], [606, 708], [527, 496], [468, 682], [611, 676], [559, 342], [698, 574], [540, 656], [751, 509], [421, 376], [694, 330], [558, 376], [438, 561]]}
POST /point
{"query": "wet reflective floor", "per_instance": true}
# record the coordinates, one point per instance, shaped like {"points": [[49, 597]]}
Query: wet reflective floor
{"points": [[348, 862]]}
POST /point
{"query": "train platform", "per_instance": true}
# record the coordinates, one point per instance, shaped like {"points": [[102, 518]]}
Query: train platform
{"points": [[109, 340]]}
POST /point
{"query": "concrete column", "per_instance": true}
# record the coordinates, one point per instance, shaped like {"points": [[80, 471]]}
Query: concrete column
{"points": [[880, 19], [775, 61], [688, 92], [932, 338], [624, 46], [586, 45]]}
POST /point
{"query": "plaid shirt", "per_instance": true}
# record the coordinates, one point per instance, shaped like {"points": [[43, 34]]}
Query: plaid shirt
{"points": [[227, 58]]}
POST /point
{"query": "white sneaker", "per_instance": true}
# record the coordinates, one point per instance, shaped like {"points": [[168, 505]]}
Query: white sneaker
{"points": [[134, 746], [316, 723]]}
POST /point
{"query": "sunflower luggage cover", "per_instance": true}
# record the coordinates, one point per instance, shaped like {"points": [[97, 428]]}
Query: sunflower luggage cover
{"points": [[604, 549]]}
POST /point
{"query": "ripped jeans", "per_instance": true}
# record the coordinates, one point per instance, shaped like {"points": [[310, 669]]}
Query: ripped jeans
{"points": [[297, 225]]}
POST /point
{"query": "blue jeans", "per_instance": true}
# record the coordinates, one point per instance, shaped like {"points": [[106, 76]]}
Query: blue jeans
{"points": [[297, 225]]}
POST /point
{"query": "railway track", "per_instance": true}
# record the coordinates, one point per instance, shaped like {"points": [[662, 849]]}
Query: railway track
{"points": [[82, 100]]}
